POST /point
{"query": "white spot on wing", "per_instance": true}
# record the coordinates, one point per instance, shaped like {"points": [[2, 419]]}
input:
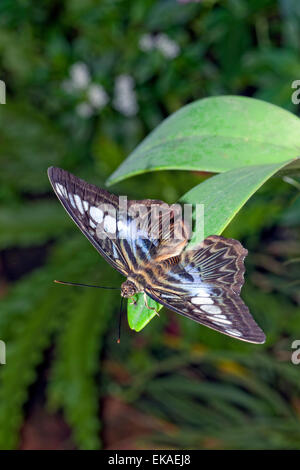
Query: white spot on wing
{"points": [[79, 204], [85, 205], [109, 224], [234, 332], [220, 320], [202, 292], [124, 229], [71, 199], [121, 226], [214, 309], [167, 296], [59, 188], [97, 214], [202, 301], [64, 191]]}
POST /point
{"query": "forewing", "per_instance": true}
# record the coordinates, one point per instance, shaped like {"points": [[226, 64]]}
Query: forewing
{"points": [[84, 203], [204, 285], [129, 235]]}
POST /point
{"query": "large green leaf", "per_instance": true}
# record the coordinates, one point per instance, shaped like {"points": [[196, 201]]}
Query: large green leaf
{"points": [[225, 194], [217, 134]]}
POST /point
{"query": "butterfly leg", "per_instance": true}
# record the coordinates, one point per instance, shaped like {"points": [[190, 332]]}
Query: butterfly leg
{"points": [[148, 306]]}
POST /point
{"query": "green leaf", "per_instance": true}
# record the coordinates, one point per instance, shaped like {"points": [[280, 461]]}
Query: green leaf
{"points": [[138, 314], [217, 134], [31, 223], [225, 194]]}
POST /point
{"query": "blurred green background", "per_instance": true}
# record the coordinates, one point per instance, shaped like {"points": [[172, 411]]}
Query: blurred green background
{"points": [[86, 81]]}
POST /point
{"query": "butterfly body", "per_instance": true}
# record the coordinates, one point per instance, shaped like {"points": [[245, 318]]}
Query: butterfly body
{"points": [[138, 280], [202, 283], [147, 275]]}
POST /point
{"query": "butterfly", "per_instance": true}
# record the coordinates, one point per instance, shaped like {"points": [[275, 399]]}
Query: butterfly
{"points": [[202, 283]]}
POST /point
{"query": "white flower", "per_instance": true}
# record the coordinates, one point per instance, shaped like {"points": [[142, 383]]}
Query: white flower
{"points": [[125, 98], [124, 82], [80, 81], [84, 110], [146, 42], [80, 75], [167, 46], [97, 96]]}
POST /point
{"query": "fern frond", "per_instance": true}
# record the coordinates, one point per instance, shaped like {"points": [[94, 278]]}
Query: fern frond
{"points": [[30, 142], [31, 224], [73, 384], [30, 314], [24, 352]]}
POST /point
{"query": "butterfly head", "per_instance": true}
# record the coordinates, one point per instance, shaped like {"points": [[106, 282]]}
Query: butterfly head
{"points": [[128, 289]]}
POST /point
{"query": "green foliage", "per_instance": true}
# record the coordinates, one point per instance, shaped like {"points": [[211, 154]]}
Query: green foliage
{"points": [[225, 194], [138, 315], [217, 134], [200, 389], [31, 224], [73, 386]]}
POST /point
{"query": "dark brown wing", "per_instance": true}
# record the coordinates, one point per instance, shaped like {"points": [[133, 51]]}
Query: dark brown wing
{"points": [[123, 232], [85, 204], [204, 285], [217, 260]]}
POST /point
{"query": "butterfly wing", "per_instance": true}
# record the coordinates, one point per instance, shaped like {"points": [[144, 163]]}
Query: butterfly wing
{"points": [[204, 285], [85, 203], [126, 236]]}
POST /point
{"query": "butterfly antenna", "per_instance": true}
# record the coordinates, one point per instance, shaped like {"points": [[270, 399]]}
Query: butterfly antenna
{"points": [[83, 285], [120, 318]]}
